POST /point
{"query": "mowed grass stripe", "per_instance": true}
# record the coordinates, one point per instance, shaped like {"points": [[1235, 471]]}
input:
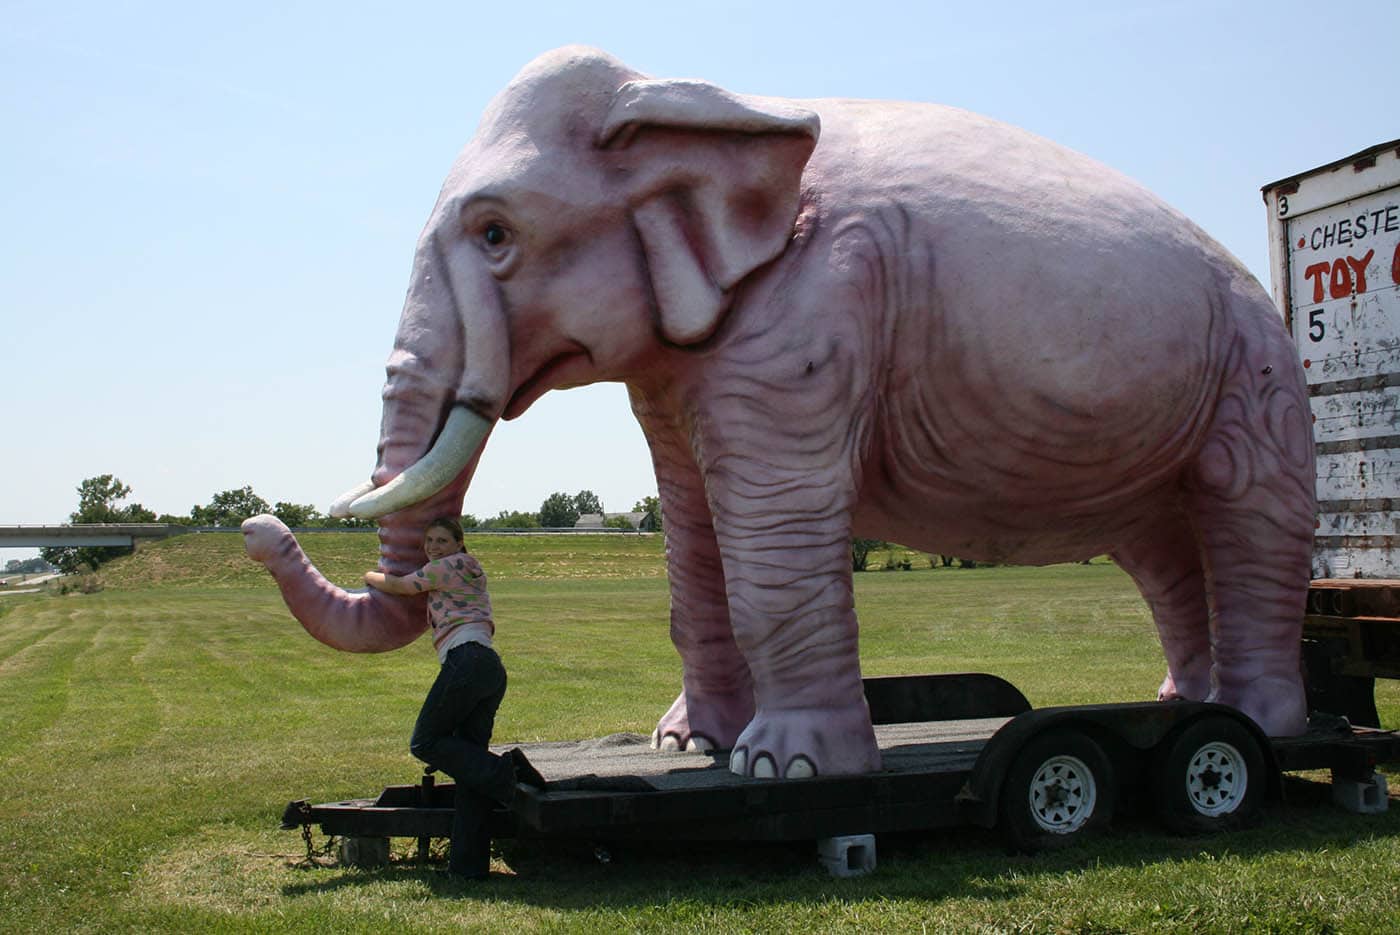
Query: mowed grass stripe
{"points": [[92, 738], [15, 640], [108, 689], [35, 681]]}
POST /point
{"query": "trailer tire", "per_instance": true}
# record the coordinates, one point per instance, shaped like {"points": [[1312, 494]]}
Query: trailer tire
{"points": [[1060, 789], [1210, 777]]}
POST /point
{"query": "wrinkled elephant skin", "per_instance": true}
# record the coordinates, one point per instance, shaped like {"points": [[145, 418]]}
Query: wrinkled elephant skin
{"points": [[836, 317]]}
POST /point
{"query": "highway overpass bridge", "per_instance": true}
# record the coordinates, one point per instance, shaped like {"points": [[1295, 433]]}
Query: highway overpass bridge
{"points": [[76, 534]]}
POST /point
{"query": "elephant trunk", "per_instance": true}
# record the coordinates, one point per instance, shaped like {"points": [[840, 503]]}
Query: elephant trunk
{"points": [[359, 621], [355, 621]]}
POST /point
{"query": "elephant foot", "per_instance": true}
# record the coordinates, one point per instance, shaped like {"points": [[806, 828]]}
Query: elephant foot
{"points": [[1278, 704], [798, 743], [1187, 686], [701, 723]]}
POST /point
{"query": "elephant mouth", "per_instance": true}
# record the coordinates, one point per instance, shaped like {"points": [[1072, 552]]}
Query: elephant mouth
{"points": [[570, 368]]}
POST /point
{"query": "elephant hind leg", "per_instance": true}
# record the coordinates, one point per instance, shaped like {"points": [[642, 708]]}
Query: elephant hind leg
{"points": [[1165, 564], [1250, 497], [1260, 568]]}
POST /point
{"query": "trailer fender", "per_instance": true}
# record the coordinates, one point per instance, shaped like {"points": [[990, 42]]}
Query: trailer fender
{"points": [[904, 699], [1129, 728]]}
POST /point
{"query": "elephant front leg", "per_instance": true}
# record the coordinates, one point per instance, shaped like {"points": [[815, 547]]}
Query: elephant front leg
{"points": [[793, 614], [716, 699]]}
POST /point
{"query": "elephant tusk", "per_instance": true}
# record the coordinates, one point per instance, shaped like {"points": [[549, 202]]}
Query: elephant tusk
{"points": [[458, 442], [340, 509]]}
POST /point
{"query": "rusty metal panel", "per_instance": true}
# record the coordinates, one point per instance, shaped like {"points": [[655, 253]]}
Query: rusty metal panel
{"points": [[1335, 245]]}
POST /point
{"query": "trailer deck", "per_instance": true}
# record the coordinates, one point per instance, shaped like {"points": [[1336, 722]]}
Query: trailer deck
{"points": [[619, 787], [589, 765]]}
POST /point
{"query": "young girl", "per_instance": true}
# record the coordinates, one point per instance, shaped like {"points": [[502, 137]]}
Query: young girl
{"points": [[454, 727]]}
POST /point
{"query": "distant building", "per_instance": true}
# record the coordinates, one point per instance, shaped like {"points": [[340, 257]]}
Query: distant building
{"points": [[645, 522]]}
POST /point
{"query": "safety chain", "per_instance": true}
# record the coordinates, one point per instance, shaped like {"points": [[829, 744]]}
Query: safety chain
{"points": [[312, 858]]}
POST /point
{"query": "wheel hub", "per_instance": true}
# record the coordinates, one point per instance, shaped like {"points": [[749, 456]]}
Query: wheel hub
{"points": [[1217, 779], [1063, 795]]}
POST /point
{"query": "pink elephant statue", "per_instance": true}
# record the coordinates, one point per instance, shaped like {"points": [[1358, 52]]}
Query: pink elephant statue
{"points": [[834, 318]]}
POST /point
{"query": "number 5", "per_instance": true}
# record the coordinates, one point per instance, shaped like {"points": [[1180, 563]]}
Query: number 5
{"points": [[1316, 329]]}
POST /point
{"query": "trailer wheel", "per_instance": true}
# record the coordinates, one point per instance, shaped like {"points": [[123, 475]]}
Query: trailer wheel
{"points": [[1059, 790], [1209, 778]]}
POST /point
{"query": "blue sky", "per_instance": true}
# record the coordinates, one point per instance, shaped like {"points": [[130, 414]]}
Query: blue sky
{"points": [[210, 209]]}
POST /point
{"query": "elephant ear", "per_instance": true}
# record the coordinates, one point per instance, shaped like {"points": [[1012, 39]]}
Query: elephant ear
{"points": [[714, 181]]}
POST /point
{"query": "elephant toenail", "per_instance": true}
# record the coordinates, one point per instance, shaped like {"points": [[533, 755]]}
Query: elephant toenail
{"points": [[801, 768]]}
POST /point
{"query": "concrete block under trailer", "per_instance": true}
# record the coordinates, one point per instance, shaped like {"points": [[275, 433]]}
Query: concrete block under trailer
{"points": [[956, 749]]}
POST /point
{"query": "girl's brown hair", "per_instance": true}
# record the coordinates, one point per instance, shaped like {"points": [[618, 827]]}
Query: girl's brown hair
{"points": [[448, 525]]}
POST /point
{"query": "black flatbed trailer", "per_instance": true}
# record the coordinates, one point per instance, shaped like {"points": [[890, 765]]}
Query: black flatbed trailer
{"points": [[1044, 777]]}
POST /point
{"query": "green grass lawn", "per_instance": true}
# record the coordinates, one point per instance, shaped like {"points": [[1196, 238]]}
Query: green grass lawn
{"points": [[150, 735]]}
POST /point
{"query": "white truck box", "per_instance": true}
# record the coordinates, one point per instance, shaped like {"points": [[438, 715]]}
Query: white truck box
{"points": [[1334, 253]]}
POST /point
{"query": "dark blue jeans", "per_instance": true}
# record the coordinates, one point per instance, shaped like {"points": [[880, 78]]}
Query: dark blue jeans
{"points": [[452, 734]]}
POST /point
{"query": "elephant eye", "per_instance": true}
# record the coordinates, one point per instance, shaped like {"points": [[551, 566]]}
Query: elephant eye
{"points": [[495, 234], [497, 244]]}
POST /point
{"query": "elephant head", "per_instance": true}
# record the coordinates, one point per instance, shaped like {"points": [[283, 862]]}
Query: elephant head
{"points": [[596, 221]]}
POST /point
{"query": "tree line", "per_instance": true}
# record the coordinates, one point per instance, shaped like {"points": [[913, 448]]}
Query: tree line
{"points": [[562, 511], [100, 501], [27, 566]]}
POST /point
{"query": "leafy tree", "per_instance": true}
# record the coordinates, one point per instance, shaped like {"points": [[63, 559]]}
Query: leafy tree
{"points": [[860, 552], [230, 508], [97, 503], [896, 560], [559, 510], [650, 505], [469, 521], [170, 519], [586, 501], [297, 514], [618, 522], [507, 519]]}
